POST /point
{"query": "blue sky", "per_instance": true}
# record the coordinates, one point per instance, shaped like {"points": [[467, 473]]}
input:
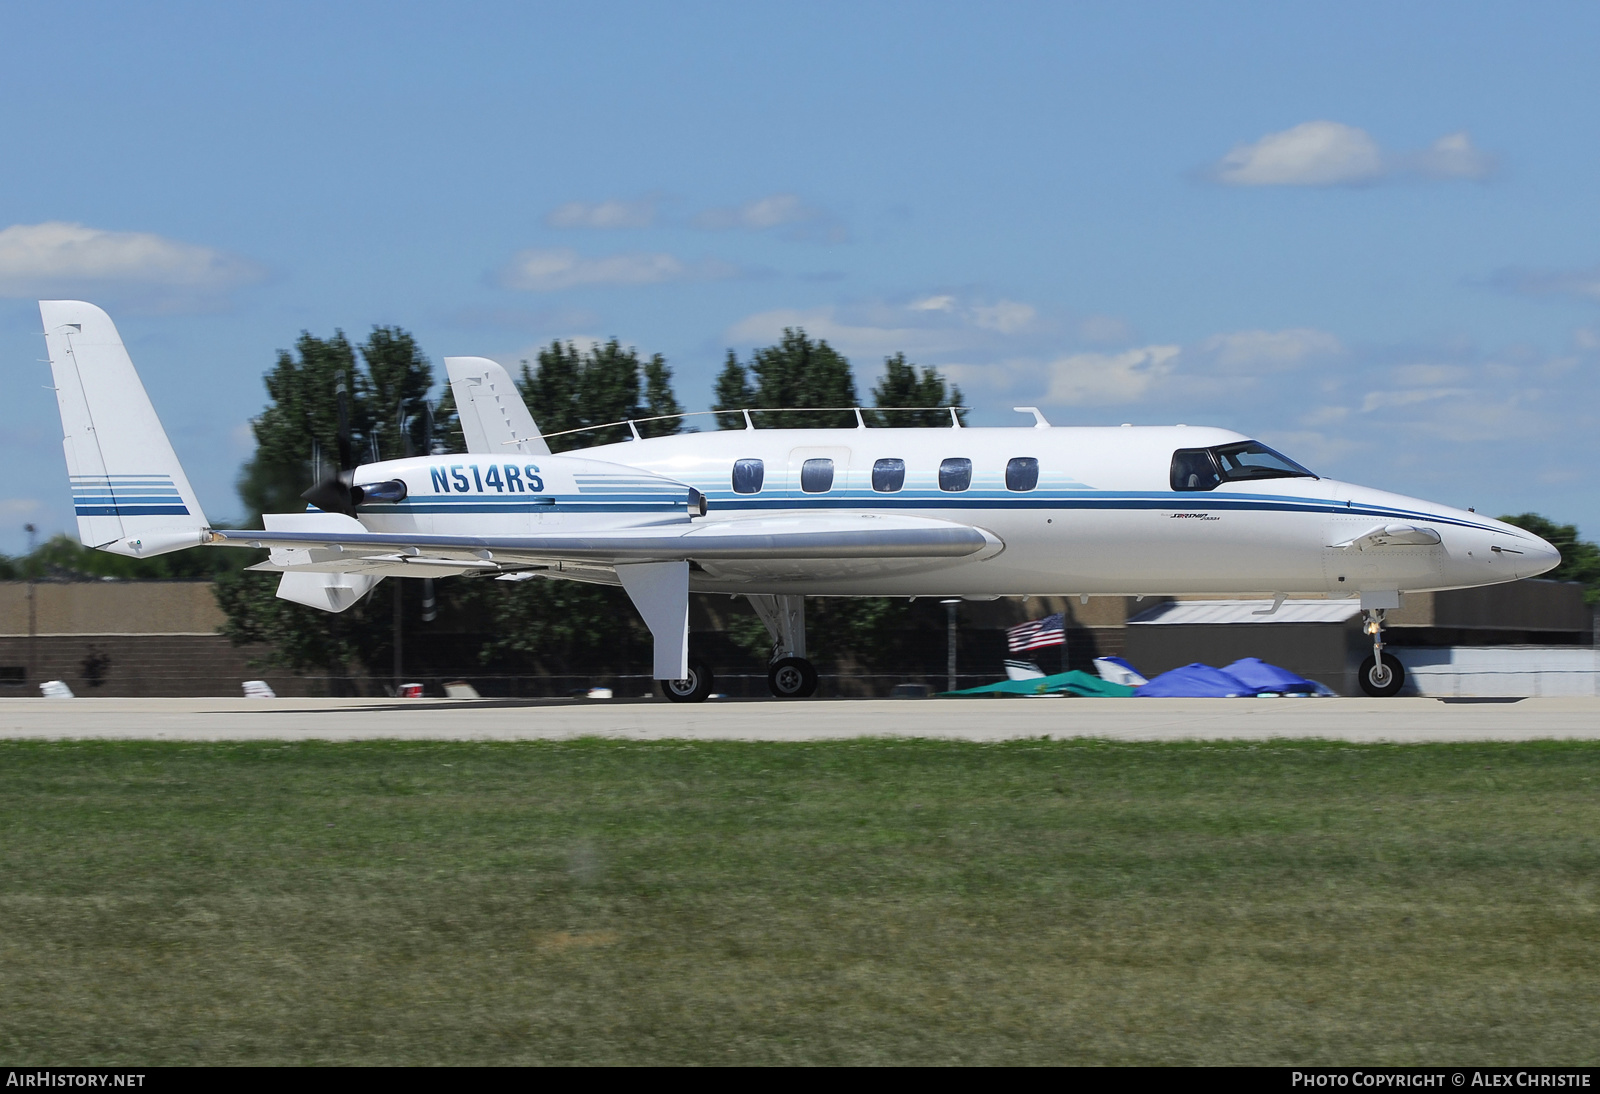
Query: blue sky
{"points": [[1364, 233]]}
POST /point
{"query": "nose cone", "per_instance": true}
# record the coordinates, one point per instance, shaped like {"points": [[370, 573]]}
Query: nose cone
{"points": [[1538, 557]]}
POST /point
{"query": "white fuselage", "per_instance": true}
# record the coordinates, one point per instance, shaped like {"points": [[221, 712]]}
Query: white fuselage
{"points": [[1103, 518]]}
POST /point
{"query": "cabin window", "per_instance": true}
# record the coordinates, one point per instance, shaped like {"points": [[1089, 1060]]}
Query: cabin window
{"points": [[888, 476], [748, 476], [1022, 473], [816, 476], [955, 474], [1194, 469]]}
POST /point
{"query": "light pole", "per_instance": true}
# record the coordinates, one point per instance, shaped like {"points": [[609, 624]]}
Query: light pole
{"points": [[950, 642], [33, 613]]}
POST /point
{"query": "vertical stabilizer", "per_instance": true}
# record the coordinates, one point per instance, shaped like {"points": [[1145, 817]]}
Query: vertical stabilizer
{"points": [[494, 418], [131, 495]]}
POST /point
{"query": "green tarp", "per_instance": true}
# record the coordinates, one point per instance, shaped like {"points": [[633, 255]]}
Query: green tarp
{"points": [[1075, 682]]}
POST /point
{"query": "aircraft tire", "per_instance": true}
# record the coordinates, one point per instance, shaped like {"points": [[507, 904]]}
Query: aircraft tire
{"points": [[693, 688], [1382, 683], [792, 678]]}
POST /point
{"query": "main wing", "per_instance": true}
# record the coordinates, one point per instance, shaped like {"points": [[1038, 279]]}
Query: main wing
{"points": [[315, 542]]}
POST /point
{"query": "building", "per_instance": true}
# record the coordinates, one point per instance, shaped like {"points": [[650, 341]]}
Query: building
{"points": [[1322, 639], [161, 638], [122, 638]]}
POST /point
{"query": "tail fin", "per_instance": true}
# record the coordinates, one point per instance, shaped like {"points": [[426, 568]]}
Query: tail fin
{"points": [[131, 496], [493, 415]]}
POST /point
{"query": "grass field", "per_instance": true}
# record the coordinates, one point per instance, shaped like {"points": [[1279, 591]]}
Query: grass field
{"points": [[860, 902]]}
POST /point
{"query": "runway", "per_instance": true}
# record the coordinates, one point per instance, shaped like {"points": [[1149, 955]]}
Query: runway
{"points": [[1356, 720]]}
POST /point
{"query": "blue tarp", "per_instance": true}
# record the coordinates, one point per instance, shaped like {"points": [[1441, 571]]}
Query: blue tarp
{"points": [[1194, 681], [1260, 676]]}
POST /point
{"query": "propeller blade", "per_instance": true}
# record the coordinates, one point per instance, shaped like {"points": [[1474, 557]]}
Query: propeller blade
{"points": [[347, 460]]}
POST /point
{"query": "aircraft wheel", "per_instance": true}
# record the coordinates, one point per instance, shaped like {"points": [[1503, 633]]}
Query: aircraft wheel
{"points": [[792, 678], [692, 688], [1382, 681]]}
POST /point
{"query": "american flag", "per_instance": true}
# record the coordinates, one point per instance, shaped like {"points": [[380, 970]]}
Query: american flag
{"points": [[1036, 634]]}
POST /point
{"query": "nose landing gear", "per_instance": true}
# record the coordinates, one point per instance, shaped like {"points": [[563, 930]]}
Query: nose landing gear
{"points": [[790, 675], [1381, 675]]}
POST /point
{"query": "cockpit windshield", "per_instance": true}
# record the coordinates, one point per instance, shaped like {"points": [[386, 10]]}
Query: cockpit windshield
{"points": [[1254, 460], [1208, 468]]}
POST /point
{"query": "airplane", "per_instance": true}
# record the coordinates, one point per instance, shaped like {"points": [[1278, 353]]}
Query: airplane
{"points": [[776, 515]]}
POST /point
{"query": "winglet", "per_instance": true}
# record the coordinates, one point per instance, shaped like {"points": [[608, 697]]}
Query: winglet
{"points": [[494, 418]]}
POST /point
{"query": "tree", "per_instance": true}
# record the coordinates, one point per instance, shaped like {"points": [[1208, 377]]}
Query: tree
{"points": [[1580, 559], [566, 626], [390, 418], [302, 639], [299, 428], [572, 389], [659, 401], [902, 387], [393, 392], [62, 556], [796, 373], [733, 393], [299, 423]]}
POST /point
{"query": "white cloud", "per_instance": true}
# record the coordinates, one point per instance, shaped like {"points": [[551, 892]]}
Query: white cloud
{"points": [[1005, 316], [1388, 400], [1101, 378], [1249, 351], [1310, 154], [603, 214], [1326, 153], [1431, 376], [1104, 329], [1584, 284], [852, 338], [59, 256], [1325, 415], [1452, 157], [772, 211], [927, 327], [548, 270]]}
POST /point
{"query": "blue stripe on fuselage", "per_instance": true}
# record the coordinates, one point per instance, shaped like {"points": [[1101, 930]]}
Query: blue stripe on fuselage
{"points": [[724, 500]]}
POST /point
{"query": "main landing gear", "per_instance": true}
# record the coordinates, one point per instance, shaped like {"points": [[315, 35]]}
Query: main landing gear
{"points": [[792, 678], [790, 675], [1381, 675]]}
